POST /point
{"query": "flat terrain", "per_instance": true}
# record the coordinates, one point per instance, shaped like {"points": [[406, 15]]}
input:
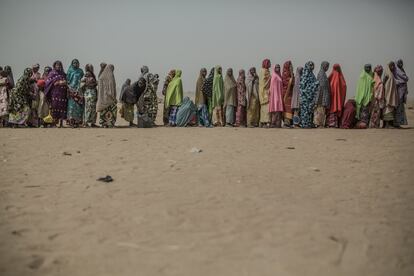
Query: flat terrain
{"points": [[253, 202]]}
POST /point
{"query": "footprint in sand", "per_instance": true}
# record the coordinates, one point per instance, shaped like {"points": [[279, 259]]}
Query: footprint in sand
{"points": [[36, 262]]}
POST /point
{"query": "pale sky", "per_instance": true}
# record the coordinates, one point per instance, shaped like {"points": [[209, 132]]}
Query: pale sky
{"points": [[192, 34]]}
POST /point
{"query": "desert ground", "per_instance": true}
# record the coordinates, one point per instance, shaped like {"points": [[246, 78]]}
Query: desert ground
{"points": [[252, 202]]}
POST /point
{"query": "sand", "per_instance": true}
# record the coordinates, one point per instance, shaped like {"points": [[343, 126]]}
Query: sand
{"points": [[252, 202]]}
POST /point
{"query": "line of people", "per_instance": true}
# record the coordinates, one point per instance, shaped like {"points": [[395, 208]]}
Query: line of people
{"points": [[275, 97]]}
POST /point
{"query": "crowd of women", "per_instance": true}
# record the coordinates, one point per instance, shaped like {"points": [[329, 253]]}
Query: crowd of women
{"points": [[274, 97]]}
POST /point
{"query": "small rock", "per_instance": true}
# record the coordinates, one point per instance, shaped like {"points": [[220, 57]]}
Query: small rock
{"points": [[67, 153], [340, 139], [105, 179], [78, 151], [291, 148], [315, 169], [195, 150]]}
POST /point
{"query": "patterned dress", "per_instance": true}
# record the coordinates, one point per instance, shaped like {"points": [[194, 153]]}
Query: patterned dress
{"points": [[57, 94], [308, 87], [88, 88], [19, 107], [241, 118], [76, 99]]}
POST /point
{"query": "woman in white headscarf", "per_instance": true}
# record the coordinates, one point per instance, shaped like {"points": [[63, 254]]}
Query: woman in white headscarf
{"points": [[107, 101]]}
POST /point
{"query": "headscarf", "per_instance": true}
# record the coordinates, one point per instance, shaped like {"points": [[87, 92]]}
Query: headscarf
{"points": [[10, 77], [167, 81], [208, 84], [19, 95], [186, 112], [264, 82], [199, 99], [390, 87], [54, 76], [230, 89], [106, 89], [276, 91], [125, 86], [308, 84], [241, 88], [36, 75], [401, 80], [144, 71], [252, 84], [102, 68], [218, 88], [296, 88], [287, 75], [379, 86], [338, 90], [363, 93], [74, 75], [323, 90], [46, 72], [175, 91], [89, 68], [266, 64]]}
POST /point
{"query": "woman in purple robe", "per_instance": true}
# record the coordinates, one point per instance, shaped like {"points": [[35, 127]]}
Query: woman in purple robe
{"points": [[56, 93]]}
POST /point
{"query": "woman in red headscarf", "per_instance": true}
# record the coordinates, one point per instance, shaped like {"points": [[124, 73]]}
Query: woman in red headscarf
{"points": [[287, 86], [338, 94]]}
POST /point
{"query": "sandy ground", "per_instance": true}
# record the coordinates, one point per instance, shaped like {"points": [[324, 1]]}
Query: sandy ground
{"points": [[340, 202]]}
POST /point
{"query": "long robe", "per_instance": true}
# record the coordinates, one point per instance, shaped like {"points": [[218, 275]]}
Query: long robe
{"points": [[338, 88], [308, 87], [217, 99], [390, 93], [363, 93], [378, 103], [57, 94], [19, 105], [401, 79], [241, 99], [253, 110], [76, 98], [264, 86]]}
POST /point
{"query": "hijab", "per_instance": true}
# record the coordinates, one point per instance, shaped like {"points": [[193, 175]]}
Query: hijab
{"points": [[106, 89], [337, 85], [218, 88], [174, 96], [296, 88], [230, 89]]}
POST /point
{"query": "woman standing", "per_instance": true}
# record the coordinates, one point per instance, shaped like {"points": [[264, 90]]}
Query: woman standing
{"points": [[241, 99], [106, 104], [166, 111], [264, 85], [201, 100], [308, 87], [19, 106], [43, 109], [288, 81], [401, 80], [128, 100], [208, 92], [174, 97], [4, 98], [253, 111], [218, 97], [322, 97], [363, 96], [88, 89], [56, 93], [10, 77], [230, 97], [338, 95], [76, 99], [276, 99], [378, 103], [296, 97], [390, 91]]}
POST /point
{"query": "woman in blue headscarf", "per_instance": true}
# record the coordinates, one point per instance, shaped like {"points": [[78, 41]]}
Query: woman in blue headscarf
{"points": [[76, 99], [308, 87], [186, 114]]}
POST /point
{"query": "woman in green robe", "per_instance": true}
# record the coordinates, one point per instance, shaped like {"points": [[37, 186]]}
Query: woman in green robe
{"points": [[218, 97], [174, 97]]}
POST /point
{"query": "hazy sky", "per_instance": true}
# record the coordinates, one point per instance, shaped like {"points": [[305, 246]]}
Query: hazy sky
{"points": [[193, 34]]}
